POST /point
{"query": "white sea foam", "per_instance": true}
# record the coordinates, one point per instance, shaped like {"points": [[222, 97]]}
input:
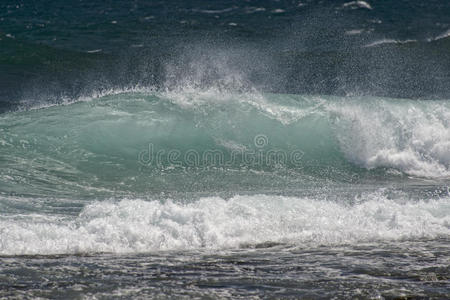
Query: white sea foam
{"points": [[354, 31], [441, 36], [85, 98], [410, 136], [357, 4], [389, 41], [212, 11], [215, 223]]}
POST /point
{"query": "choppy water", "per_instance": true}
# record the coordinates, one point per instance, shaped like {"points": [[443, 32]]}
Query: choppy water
{"points": [[259, 149], [407, 269]]}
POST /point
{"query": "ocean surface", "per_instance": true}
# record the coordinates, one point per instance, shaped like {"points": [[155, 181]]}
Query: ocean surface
{"points": [[225, 149]]}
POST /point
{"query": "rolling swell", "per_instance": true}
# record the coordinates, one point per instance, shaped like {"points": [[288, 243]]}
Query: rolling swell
{"points": [[135, 142]]}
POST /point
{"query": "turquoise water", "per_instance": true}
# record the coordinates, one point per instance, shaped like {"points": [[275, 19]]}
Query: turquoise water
{"points": [[136, 143], [132, 161]]}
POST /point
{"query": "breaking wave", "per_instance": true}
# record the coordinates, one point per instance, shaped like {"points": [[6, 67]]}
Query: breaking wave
{"points": [[216, 223]]}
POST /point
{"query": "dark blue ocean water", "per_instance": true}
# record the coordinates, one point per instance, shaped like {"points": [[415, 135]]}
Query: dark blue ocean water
{"points": [[385, 48], [225, 149]]}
